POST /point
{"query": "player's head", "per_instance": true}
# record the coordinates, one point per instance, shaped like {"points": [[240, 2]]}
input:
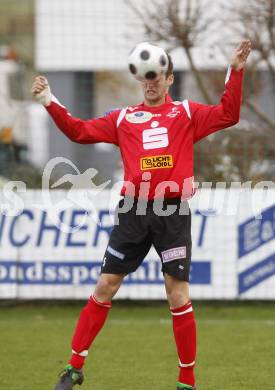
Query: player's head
{"points": [[156, 89]]}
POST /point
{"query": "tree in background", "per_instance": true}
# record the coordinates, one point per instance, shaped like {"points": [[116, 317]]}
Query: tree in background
{"points": [[246, 152]]}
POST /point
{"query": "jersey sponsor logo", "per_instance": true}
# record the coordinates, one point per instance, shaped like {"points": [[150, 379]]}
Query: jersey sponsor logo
{"points": [[156, 162], [139, 117], [154, 124], [173, 254], [155, 138], [173, 113]]}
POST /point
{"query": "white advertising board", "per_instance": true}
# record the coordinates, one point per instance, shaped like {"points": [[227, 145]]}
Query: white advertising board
{"points": [[233, 251]]}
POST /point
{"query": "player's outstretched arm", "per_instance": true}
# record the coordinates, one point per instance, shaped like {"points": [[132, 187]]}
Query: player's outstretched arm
{"points": [[208, 119], [81, 131]]}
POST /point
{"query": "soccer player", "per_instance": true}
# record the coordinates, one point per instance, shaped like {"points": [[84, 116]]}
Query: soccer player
{"points": [[156, 141]]}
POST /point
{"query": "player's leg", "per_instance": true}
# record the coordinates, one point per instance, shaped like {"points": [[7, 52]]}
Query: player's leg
{"points": [[128, 245], [90, 322], [184, 328], [172, 240], [93, 317]]}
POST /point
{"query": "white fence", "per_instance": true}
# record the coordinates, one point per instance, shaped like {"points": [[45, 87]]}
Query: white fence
{"points": [[233, 251]]}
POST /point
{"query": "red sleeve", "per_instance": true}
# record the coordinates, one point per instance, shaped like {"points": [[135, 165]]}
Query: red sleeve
{"points": [[208, 119], [102, 129]]}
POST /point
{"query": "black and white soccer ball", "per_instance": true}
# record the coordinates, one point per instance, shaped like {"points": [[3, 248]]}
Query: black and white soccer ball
{"points": [[147, 61]]}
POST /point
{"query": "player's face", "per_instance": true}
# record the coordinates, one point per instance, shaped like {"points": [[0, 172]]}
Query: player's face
{"points": [[155, 90]]}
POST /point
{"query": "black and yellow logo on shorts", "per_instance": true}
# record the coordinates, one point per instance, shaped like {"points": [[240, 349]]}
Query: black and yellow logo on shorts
{"points": [[156, 162]]}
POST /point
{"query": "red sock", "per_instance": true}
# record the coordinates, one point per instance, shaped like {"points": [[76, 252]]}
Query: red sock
{"points": [[91, 320], [184, 327]]}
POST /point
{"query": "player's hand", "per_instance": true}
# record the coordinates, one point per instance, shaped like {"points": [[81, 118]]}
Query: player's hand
{"points": [[241, 54], [41, 91]]}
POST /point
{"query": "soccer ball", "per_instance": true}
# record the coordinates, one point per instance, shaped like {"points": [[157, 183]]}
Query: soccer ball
{"points": [[147, 61]]}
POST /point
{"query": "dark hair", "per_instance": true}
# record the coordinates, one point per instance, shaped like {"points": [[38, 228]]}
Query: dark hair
{"points": [[170, 66]]}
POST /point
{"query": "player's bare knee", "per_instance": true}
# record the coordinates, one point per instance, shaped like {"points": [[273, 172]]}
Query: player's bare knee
{"points": [[177, 298], [107, 286], [177, 291], [104, 291]]}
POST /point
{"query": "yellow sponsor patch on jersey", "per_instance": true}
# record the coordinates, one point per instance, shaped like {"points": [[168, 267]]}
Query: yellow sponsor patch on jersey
{"points": [[156, 162]]}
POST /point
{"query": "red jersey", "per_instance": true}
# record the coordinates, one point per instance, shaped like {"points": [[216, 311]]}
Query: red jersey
{"points": [[156, 143]]}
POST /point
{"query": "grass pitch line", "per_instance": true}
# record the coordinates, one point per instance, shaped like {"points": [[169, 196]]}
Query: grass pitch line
{"points": [[165, 321]]}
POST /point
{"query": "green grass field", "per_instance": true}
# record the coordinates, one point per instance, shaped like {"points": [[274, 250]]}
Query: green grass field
{"points": [[135, 350]]}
